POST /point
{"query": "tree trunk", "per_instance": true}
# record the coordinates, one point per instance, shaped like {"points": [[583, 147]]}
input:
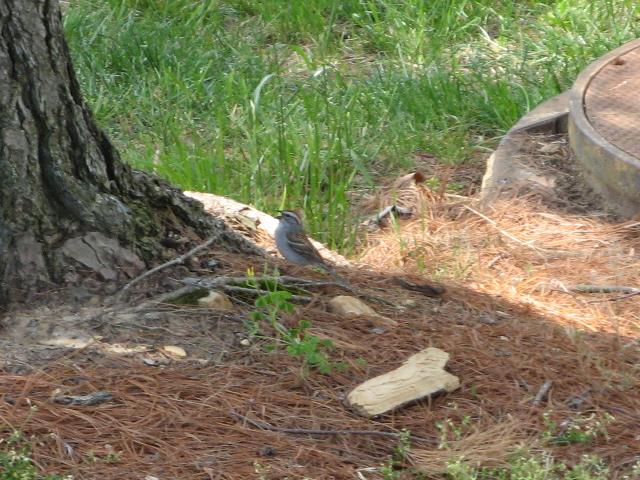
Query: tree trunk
{"points": [[68, 204]]}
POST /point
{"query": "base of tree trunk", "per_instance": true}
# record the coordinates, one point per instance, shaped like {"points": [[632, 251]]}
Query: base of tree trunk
{"points": [[69, 207], [166, 223]]}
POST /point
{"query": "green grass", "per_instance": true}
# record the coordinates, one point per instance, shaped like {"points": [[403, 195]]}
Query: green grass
{"points": [[300, 104]]}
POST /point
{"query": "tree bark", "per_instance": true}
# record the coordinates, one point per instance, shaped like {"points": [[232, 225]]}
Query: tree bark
{"points": [[68, 204]]}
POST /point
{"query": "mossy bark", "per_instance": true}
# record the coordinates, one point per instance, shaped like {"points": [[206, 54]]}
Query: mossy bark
{"points": [[65, 194]]}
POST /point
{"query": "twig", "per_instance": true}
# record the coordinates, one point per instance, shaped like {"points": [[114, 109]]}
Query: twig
{"points": [[500, 230], [615, 299], [224, 282], [586, 288], [164, 298], [313, 431], [495, 260], [219, 281], [542, 393], [627, 291], [176, 261]]}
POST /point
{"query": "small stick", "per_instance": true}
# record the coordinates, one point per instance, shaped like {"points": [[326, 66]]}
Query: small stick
{"points": [[164, 298], [586, 288], [218, 281], [176, 261], [615, 299], [224, 282], [494, 260], [542, 393], [312, 431]]}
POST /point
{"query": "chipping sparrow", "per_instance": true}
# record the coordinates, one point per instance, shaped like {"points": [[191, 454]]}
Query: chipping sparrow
{"points": [[294, 245]]}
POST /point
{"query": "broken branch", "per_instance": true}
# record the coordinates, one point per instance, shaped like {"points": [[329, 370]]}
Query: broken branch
{"points": [[225, 282], [542, 393], [586, 288], [176, 261]]}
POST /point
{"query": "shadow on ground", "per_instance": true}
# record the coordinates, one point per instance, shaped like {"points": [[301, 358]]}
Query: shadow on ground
{"points": [[186, 418]]}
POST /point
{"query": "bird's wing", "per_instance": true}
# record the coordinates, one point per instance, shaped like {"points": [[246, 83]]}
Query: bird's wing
{"points": [[303, 245]]}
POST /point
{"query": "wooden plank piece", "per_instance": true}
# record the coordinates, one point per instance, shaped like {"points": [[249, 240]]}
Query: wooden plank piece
{"points": [[420, 376]]}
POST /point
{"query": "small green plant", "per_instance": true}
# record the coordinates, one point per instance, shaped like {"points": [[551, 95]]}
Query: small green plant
{"points": [[393, 466], [524, 466], [575, 431], [297, 341], [310, 347], [16, 463], [450, 431], [269, 307], [110, 457]]}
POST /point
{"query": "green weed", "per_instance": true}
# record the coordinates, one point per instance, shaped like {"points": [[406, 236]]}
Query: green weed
{"points": [[16, 463], [297, 341], [576, 430], [395, 466], [528, 467]]}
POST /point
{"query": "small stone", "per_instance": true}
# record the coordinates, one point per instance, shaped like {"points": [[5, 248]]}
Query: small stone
{"points": [[245, 342], [175, 351], [156, 362], [216, 300], [119, 349], [350, 306], [378, 330], [346, 305]]}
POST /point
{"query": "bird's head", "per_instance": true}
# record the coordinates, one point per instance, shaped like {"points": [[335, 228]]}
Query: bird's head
{"points": [[292, 218]]}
